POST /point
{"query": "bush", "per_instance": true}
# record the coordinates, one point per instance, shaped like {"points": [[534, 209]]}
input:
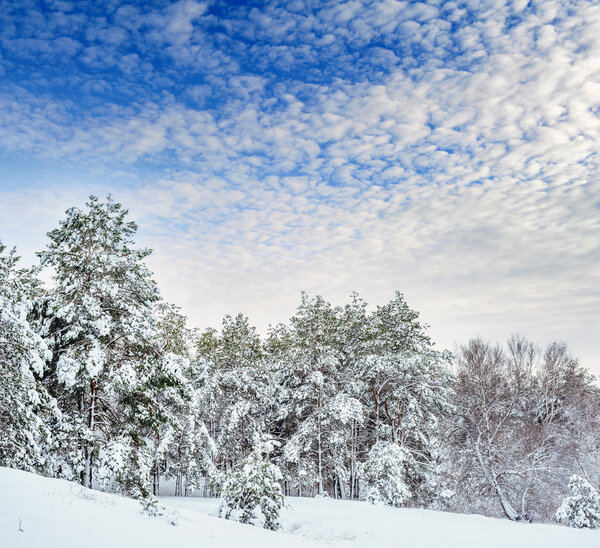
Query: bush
{"points": [[384, 473], [252, 493], [582, 508]]}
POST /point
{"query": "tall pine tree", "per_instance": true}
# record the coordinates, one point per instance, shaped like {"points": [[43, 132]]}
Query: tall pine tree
{"points": [[99, 325]]}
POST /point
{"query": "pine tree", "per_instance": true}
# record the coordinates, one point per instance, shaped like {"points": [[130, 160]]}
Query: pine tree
{"points": [[237, 381], [408, 391], [582, 508], [99, 324], [311, 380], [252, 493], [179, 441], [385, 473], [25, 406]]}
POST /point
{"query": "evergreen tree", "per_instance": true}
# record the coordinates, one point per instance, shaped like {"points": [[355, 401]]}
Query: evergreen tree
{"points": [[408, 392], [237, 382], [385, 473], [99, 323], [312, 380], [25, 406], [180, 443], [582, 508], [251, 492]]}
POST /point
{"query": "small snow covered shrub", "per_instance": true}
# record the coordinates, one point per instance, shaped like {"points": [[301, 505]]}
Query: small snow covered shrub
{"points": [[582, 508], [252, 493], [384, 474]]}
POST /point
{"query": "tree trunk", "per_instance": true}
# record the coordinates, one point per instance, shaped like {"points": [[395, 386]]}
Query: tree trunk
{"points": [[342, 487], [155, 480], [155, 468], [178, 485], [377, 412], [319, 455], [87, 479], [352, 459], [492, 477], [510, 512]]}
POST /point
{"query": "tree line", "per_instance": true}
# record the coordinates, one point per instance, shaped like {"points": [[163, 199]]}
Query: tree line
{"points": [[104, 383]]}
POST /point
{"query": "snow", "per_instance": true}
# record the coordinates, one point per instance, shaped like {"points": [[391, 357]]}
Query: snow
{"points": [[60, 514], [352, 524], [56, 513]]}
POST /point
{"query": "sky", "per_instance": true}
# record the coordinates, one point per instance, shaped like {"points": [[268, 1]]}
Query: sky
{"points": [[445, 149]]}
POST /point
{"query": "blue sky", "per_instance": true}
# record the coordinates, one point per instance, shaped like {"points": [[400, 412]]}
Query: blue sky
{"points": [[445, 149]]}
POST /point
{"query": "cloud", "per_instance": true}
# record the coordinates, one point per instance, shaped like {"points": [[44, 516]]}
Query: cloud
{"points": [[447, 151]]}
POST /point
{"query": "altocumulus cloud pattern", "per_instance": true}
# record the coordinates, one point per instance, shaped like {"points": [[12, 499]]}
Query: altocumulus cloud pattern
{"points": [[446, 149]]}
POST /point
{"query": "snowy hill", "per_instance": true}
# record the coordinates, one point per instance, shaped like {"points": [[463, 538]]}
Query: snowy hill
{"points": [[59, 514], [55, 513]]}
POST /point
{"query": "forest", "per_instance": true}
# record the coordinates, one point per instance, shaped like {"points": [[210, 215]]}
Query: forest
{"points": [[105, 384]]}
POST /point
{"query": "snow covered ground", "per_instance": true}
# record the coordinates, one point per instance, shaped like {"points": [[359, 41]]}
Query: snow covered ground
{"points": [[59, 514], [54, 513]]}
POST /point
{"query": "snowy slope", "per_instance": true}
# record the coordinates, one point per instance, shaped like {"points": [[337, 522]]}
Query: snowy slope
{"points": [[57, 513]]}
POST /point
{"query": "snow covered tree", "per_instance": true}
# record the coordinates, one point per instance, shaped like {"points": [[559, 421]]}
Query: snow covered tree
{"points": [[489, 423], [354, 344], [238, 386], [164, 397], [99, 323], [238, 364], [395, 328], [407, 389], [385, 474], [179, 441], [191, 453], [353, 379], [582, 508], [320, 446], [410, 394], [311, 379], [251, 492], [25, 405], [516, 426]]}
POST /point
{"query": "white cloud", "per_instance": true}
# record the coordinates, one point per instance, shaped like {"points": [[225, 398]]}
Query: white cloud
{"points": [[468, 181]]}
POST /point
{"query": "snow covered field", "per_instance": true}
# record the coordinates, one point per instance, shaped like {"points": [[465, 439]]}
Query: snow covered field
{"points": [[54, 513]]}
